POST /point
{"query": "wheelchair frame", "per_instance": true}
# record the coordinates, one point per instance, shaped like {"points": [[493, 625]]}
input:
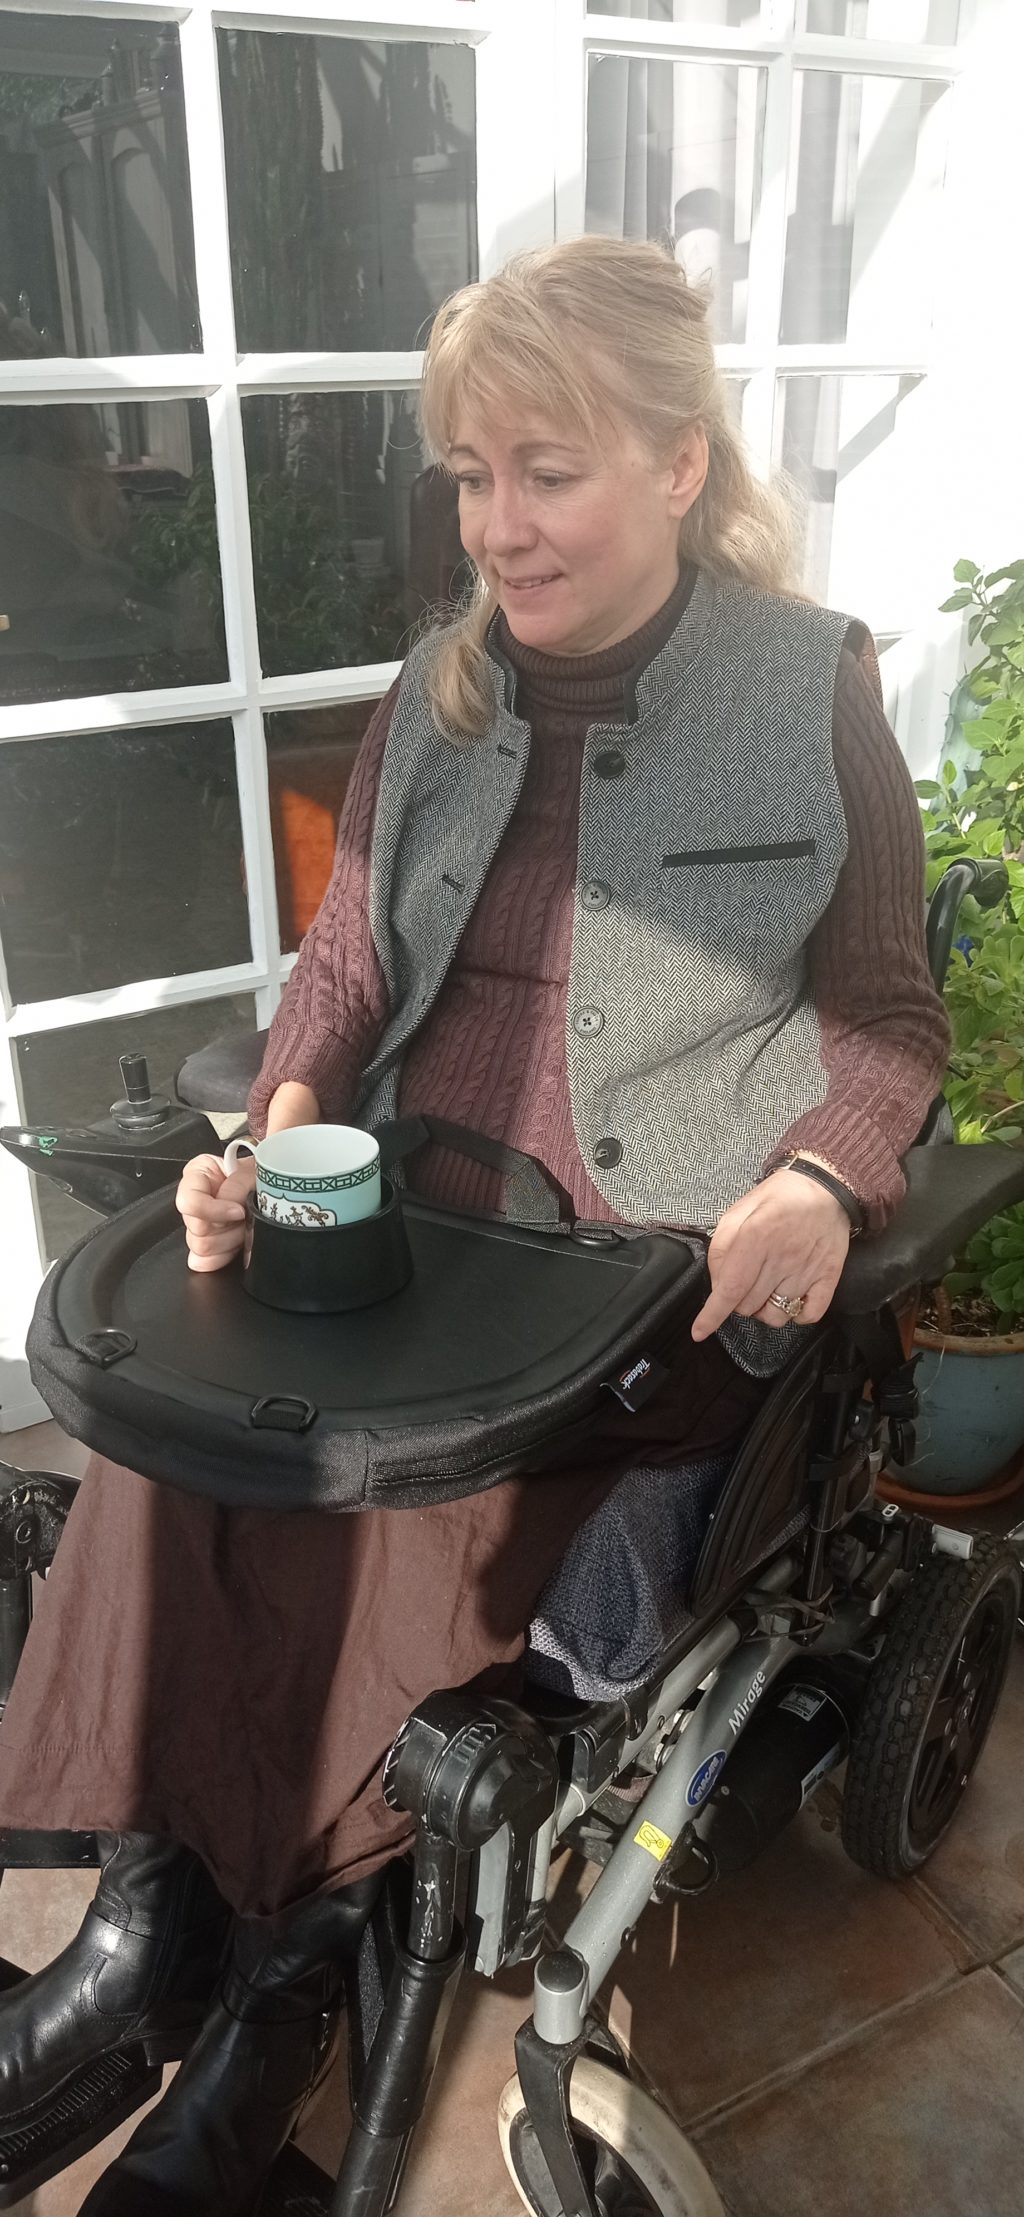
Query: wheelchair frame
{"points": [[799, 1560], [495, 1787]]}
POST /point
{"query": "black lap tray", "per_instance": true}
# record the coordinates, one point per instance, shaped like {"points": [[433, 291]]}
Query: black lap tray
{"points": [[491, 1360]]}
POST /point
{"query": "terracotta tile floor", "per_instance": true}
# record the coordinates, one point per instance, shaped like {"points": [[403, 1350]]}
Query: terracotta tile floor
{"points": [[832, 2043]]}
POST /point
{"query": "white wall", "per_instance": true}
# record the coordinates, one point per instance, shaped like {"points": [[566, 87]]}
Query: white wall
{"points": [[962, 457]]}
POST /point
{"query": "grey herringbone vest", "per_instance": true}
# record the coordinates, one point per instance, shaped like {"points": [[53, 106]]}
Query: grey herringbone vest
{"points": [[711, 835]]}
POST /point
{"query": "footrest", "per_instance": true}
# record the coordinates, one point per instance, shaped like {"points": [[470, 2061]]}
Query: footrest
{"points": [[89, 2106], [296, 2188], [48, 1851]]}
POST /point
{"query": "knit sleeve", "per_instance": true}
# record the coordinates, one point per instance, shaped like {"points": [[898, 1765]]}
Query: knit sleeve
{"points": [[335, 1004], [884, 1030]]}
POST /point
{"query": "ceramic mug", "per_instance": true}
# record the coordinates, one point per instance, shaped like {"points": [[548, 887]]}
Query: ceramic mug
{"points": [[315, 1176]]}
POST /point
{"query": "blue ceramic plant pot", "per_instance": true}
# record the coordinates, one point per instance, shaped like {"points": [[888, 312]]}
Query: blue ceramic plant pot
{"points": [[971, 1422]]}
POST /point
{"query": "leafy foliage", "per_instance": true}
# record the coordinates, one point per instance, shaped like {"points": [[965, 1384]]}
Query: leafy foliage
{"points": [[318, 610], [979, 811]]}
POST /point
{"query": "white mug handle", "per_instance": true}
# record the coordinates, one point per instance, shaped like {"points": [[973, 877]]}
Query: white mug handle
{"points": [[234, 1148]]}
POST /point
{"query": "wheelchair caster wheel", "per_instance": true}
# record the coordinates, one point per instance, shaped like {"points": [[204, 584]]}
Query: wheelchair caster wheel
{"points": [[636, 2162], [928, 1704]]}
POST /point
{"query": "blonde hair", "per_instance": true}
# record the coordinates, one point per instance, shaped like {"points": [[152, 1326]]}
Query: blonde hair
{"points": [[595, 332]]}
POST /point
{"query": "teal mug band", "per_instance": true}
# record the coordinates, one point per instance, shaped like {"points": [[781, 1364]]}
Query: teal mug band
{"points": [[314, 1200]]}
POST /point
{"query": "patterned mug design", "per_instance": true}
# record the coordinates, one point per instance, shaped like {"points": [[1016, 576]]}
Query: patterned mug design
{"points": [[294, 1212], [342, 1181]]}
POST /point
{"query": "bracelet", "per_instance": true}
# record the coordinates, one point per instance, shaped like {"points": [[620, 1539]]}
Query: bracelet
{"points": [[844, 1194]]}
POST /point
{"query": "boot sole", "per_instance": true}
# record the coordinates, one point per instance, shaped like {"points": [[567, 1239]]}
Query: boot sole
{"points": [[91, 2103], [296, 2187]]}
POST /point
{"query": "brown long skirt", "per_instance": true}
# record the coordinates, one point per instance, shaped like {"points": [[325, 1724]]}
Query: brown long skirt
{"points": [[235, 1678]]}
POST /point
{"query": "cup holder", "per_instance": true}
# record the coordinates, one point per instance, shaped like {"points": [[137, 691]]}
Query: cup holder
{"points": [[322, 1272]]}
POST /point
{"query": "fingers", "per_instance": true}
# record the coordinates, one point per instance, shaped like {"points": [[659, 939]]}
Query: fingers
{"points": [[774, 1242], [729, 1285], [203, 1174], [212, 1206], [816, 1299]]}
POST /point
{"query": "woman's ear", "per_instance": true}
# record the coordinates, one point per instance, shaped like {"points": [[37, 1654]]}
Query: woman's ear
{"points": [[688, 472]]}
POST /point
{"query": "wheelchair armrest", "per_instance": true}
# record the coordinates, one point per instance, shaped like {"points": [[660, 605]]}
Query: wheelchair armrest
{"points": [[218, 1077], [951, 1192]]}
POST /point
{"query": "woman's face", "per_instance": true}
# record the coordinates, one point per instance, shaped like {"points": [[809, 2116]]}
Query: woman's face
{"points": [[578, 542]]}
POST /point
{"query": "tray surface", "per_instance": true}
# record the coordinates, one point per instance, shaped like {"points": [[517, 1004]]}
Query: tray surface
{"points": [[490, 1310]]}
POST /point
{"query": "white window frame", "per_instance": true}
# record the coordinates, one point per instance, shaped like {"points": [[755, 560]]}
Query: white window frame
{"points": [[515, 75], [532, 62]]}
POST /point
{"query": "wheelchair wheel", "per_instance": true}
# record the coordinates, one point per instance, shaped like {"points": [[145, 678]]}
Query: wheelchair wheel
{"points": [[636, 2162], [928, 1704]]}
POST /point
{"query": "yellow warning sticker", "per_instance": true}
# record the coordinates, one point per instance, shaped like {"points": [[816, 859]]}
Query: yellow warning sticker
{"points": [[657, 1843]]}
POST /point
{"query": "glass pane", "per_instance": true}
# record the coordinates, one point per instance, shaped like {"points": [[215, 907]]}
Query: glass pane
{"points": [[866, 179], [734, 14], [109, 572], [96, 248], [858, 450], [735, 387], [351, 168], [354, 535], [71, 1077], [120, 858], [674, 151], [917, 22], [310, 753]]}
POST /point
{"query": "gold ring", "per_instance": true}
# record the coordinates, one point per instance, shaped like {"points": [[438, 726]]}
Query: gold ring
{"points": [[790, 1303]]}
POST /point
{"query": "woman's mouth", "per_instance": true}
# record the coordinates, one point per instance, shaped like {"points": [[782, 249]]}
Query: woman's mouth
{"points": [[530, 584]]}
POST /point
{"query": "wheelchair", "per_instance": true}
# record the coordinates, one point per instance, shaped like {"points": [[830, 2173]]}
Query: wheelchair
{"points": [[822, 1627]]}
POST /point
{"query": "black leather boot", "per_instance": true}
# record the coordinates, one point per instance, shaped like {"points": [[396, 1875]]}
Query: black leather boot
{"points": [[208, 2147], [138, 1974]]}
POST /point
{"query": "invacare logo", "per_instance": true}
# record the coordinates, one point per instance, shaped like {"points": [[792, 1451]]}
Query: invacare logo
{"points": [[739, 1715]]}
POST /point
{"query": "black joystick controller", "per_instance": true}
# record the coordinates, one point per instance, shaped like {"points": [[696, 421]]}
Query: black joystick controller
{"points": [[142, 1145], [138, 1110]]}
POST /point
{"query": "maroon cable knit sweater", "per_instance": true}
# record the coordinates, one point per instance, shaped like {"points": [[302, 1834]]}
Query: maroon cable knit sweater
{"points": [[491, 1054]]}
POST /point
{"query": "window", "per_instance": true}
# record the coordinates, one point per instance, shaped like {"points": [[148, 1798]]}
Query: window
{"points": [[674, 151], [351, 186], [109, 562], [310, 753], [96, 245], [121, 854], [220, 247], [803, 190]]}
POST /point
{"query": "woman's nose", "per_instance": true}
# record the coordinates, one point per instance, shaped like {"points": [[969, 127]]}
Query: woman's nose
{"points": [[508, 523]]}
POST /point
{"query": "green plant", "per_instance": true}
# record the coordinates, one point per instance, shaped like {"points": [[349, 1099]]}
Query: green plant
{"points": [[976, 807], [991, 1272], [317, 610]]}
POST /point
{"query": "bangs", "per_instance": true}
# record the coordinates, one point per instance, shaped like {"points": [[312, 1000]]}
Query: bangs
{"points": [[495, 355]]}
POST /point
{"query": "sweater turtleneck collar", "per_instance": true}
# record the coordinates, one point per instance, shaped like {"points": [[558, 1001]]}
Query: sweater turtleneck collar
{"points": [[594, 684]]}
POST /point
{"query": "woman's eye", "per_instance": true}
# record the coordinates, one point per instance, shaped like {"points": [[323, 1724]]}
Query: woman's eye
{"points": [[468, 483], [550, 480]]}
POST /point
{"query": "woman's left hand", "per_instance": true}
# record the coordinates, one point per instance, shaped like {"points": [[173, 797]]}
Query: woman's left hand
{"points": [[788, 1236]]}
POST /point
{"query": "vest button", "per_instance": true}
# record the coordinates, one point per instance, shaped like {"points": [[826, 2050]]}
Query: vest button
{"points": [[594, 894], [609, 764], [607, 1153], [587, 1022]]}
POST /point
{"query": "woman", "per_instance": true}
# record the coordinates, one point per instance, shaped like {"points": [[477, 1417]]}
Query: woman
{"points": [[629, 875]]}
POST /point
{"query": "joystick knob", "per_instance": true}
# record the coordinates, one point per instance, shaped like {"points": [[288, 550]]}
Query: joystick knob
{"points": [[139, 1109]]}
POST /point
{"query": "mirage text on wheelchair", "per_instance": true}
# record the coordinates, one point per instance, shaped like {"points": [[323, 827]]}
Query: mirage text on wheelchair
{"points": [[821, 1626]]}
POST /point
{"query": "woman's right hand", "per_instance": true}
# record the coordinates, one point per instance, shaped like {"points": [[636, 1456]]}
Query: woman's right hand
{"points": [[212, 1204]]}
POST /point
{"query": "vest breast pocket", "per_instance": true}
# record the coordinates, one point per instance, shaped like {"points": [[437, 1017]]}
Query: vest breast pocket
{"points": [[766, 895], [778, 850]]}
